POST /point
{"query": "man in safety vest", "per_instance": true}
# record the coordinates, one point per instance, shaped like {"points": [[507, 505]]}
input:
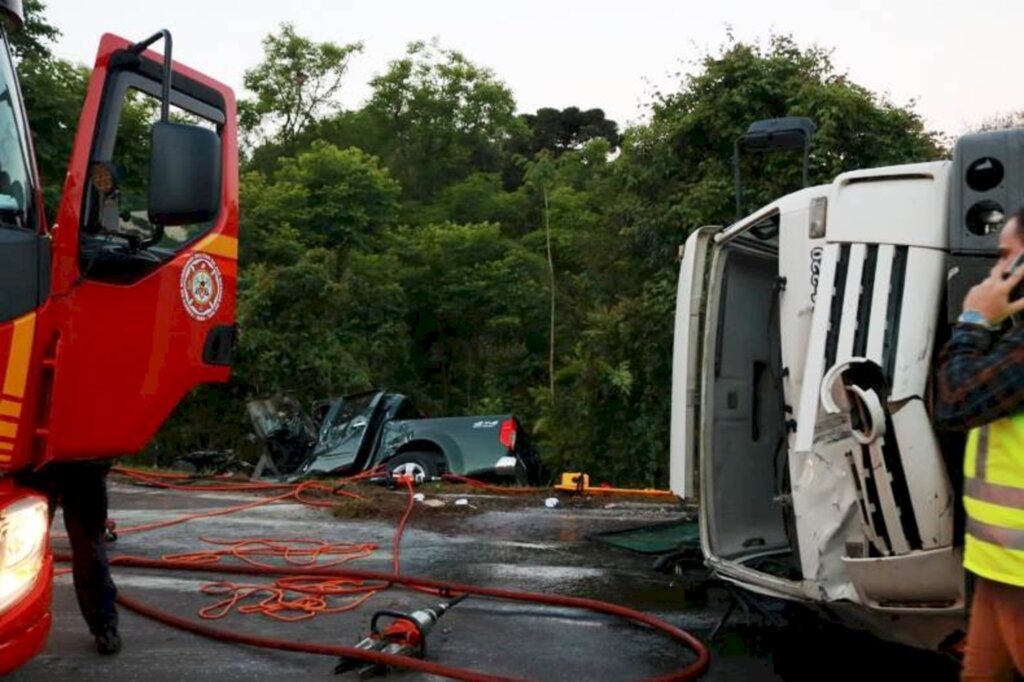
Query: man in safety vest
{"points": [[981, 390]]}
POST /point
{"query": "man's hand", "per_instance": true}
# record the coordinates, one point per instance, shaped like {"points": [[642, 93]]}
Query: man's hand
{"points": [[991, 296]]}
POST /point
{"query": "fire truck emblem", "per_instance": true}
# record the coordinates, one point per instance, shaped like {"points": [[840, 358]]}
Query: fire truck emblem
{"points": [[201, 286]]}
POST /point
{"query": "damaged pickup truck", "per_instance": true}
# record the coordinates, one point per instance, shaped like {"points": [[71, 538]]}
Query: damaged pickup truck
{"points": [[354, 433]]}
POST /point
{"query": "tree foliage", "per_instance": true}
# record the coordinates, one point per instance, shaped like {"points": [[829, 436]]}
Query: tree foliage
{"points": [[53, 90], [324, 197], [36, 35], [1007, 119], [438, 118], [450, 301], [561, 131], [297, 82], [415, 242]]}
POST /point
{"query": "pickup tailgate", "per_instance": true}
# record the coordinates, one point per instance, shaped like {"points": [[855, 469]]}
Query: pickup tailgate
{"points": [[472, 446]]}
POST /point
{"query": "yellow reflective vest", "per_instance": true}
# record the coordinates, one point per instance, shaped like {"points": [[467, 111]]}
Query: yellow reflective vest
{"points": [[994, 501]]}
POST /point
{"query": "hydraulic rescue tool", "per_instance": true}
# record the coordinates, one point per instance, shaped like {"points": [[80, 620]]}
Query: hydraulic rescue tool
{"points": [[405, 636]]}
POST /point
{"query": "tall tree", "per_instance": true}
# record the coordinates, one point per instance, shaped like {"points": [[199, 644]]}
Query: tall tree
{"points": [[556, 132], [37, 34], [568, 129], [324, 197], [611, 413], [438, 118], [1009, 119], [53, 90], [296, 83], [679, 167]]}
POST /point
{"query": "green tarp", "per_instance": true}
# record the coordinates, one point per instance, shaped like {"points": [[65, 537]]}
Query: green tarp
{"points": [[658, 538]]}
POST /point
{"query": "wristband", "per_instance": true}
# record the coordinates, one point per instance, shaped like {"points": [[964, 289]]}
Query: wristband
{"points": [[975, 318]]}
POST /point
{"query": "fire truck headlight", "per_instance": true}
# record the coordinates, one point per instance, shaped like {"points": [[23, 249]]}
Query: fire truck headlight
{"points": [[23, 534]]}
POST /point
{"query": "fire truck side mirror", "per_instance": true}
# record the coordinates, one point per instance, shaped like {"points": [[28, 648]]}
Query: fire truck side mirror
{"points": [[184, 174]]}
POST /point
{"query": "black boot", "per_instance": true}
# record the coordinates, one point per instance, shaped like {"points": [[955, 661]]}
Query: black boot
{"points": [[108, 642]]}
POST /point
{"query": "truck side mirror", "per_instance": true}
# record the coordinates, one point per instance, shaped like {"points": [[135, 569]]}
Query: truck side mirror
{"points": [[769, 135], [184, 174]]}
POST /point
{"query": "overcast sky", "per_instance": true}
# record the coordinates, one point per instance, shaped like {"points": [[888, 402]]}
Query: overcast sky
{"points": [[961, 61]]}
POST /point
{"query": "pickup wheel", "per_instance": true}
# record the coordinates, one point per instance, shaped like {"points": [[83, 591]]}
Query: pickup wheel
{"points": [[422, 466]]}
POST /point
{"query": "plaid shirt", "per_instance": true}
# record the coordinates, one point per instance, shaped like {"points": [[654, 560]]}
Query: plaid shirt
{"points": [[980, 377]]}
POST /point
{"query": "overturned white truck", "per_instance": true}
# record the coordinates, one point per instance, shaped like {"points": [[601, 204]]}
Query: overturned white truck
{"points": [[805, 344]]}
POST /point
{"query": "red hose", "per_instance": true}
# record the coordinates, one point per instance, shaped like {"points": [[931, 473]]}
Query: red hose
{"points": [[690, 672], [309, 648]]}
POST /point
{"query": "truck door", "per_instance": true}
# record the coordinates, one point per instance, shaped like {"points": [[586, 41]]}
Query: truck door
{"points": [[344, 432], [144, 254], [24, 269], [688, 335]]}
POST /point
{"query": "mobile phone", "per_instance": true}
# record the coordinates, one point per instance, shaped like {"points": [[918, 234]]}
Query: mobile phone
{"points": [[1018, 291]]}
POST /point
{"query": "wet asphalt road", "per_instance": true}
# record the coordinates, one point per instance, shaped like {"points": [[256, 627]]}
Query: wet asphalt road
{"points": [[530, 548]]}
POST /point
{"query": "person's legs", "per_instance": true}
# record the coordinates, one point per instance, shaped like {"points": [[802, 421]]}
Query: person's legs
{"points": [[987, 657], [1010, 615], [84, 500]]}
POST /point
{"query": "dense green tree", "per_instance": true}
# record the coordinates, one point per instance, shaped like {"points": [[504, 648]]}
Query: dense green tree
{"points": [[673, 175], [36, 35], [608, 415], [477, 310], [677, 170], [439, 118], [290, 317], [391, 245], [324, 197], [297, 82], [53, 91]]}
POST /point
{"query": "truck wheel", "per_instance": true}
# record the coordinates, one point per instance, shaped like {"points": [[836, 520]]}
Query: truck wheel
{"points": [[422, 466]]}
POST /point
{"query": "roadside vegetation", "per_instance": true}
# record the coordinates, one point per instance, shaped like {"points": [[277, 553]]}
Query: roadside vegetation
{"points": [[440, 242]]}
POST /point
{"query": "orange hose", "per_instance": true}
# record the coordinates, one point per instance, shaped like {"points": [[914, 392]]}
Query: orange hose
{"points": [[315, 584], [313, 600], [294, 491], [690, 672], [295, 552]]}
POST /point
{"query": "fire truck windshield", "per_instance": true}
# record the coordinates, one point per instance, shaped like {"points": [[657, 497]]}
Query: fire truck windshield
{"points": [[16, 187]]}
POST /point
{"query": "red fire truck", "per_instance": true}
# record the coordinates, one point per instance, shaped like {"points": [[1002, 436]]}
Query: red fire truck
{"points": [[111, 311]]}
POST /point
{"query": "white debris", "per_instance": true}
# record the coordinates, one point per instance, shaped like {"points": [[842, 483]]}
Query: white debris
{"points": [[551, 502]]}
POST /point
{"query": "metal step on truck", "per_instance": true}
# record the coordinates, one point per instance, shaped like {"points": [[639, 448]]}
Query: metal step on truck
{"points": [[804, 357]]}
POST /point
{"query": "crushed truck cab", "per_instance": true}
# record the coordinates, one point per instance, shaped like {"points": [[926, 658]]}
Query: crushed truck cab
{"points": [[118, 307], [805, 344]]}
